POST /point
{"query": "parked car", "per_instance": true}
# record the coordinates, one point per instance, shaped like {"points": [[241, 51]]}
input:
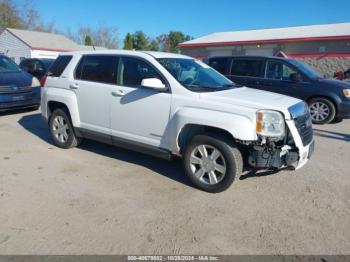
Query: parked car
{"points": [[326, 98], [172, 105], [36, 67], [18, 89]]}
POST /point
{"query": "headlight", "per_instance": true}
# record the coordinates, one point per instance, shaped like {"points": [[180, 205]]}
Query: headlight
{"points": [[270, 123], [35, 82], [346, 92]]}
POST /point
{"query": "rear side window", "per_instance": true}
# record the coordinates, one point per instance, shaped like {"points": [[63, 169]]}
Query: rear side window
{"points": [[98, 68], [132, 71], [59, 65], [251, 68], [220, 64]]}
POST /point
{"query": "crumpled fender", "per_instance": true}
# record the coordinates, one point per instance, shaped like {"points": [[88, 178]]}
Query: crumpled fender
{"points": [[239, 126]]}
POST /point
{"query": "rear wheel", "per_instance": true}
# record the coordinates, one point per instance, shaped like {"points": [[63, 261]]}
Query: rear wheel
{"points": [[211, 163], [322, 110], [62, 131]]}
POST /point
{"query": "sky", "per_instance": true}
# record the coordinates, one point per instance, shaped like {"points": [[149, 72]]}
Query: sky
{"points": [[193, 17]]}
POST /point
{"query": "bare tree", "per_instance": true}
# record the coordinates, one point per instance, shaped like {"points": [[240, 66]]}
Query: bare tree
{"points": [[9, 15], [101, 36]]}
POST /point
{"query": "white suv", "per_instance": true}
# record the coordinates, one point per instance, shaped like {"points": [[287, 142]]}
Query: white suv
{"points": [[173, 105]]}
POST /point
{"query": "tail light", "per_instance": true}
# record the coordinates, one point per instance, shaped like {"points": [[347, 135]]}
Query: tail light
{"points": [[43, 81]]}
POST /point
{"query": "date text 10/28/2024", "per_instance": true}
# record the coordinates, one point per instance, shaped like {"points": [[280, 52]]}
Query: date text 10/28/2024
{"points": [[173, 258]]}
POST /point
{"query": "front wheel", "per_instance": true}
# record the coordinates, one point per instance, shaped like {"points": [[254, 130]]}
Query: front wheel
{"points": [[322, 110], [212, 164]]}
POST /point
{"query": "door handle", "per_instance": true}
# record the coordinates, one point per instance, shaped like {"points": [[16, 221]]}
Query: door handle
{"points": [[74, 86], [118, 93]]}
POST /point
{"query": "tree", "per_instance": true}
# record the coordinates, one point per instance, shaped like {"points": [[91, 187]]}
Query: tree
{"points": [[128, 42], [176, 38], [30, 17], [163, 42], [168, 42], [154, 45], [140, 41], [88, 40], [9, 15], [102, 36]]}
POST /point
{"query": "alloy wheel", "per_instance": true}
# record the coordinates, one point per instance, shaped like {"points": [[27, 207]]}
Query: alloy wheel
{"points": [[60, 129], [208, 164], [319, 111]]}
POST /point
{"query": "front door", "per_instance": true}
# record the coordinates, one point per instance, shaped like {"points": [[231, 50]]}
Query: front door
{"points": [[279, 79], [138, 113]]}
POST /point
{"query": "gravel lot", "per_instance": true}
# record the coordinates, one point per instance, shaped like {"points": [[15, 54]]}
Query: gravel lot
{"points": [[99, 199]]}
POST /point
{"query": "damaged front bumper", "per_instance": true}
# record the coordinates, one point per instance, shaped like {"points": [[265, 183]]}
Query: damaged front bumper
{"points": [[293, 151]]}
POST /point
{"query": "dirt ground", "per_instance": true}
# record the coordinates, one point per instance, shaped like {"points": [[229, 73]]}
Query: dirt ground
{"points": [[98, 199]]}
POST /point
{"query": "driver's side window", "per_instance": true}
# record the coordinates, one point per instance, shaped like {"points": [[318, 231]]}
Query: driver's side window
{"points": [[279, 71], [131, 72]]}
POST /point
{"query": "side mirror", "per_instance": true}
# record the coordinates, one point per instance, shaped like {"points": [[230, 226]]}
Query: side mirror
{"points": [[153, 83], [295, 77]]}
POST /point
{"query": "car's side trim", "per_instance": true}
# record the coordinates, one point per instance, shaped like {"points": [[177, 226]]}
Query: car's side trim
{"points": [[124, 143]]}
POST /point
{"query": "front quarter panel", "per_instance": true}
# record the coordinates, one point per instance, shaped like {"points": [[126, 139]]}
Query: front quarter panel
{"points": [[240, 127]]}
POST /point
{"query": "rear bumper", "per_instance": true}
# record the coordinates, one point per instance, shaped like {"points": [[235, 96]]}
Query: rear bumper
{"points": [[20, 100], [344, 109]]}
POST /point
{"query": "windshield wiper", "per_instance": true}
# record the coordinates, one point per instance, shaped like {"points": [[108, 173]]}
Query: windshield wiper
{"points": [[211, 88], [229, 86], [202, 87]]}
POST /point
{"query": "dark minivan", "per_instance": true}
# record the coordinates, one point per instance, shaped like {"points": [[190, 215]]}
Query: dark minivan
{"points": [[18, 89], [327, 98]]}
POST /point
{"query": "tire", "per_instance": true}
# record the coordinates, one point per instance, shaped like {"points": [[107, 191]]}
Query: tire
{"points": [[322, 110], [200, 169], [62, 131]]}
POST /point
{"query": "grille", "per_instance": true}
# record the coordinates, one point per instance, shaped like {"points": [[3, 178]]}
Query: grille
{"points": [[303, 124], [14, 89]]}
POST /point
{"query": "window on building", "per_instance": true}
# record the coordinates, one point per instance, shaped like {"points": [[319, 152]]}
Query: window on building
{"points": [[248, 67]]}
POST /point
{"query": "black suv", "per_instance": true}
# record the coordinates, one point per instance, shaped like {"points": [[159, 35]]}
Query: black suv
{"points": [[36, 67], [327, 98]]}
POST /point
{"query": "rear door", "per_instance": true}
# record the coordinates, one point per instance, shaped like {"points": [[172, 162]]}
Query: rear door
{"points": [[95, 79], [248, 71]]}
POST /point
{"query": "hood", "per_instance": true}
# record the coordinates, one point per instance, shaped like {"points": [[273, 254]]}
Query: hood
{"points": [[18, 79], [254, 99], [335, 83]]}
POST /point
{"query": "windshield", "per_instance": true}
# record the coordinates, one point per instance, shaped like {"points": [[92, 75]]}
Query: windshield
{"points": [[306, 69], [195, 75], [7, 65]]}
